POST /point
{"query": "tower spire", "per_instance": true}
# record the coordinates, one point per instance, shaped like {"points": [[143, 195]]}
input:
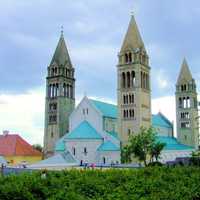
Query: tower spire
{"points": [[61, 55], [185, 74], [133, 39]]}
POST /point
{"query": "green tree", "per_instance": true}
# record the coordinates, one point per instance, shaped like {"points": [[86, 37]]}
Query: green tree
{"points": [[195, 159], [156, 150], [142, 145], [37, 147], [125, 155]]}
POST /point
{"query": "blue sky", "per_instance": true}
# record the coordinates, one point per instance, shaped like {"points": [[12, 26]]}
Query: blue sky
{"points": [[94, 31]]}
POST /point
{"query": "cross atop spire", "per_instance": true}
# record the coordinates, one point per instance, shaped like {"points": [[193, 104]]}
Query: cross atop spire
{"points": [[62, 30], [185, 74], [132, 13], [133, 39]]}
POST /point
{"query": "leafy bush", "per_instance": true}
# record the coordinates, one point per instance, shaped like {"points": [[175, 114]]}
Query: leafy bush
{"points": [[159, 164], [146, 183]]}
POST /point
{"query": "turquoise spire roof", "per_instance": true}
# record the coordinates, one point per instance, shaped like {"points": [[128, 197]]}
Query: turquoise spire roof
{"points": [[161, 120], [108, 146], [63, 158], [107, 110], [83, 131], [114, 134], [172, 143], [60, 144]]}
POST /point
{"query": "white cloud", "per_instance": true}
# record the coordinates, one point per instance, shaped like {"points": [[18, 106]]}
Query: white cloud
{"points": [[23, 114], [167, 106], [161, 80]]}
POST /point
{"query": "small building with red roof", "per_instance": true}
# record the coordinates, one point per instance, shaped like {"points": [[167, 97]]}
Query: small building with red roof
{"points": [[16, 150]]}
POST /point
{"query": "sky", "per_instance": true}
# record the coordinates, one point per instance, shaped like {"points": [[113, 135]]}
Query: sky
{"points": [[93, 31]]}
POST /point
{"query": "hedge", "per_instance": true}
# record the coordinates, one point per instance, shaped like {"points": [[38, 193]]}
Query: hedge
{"points": [[154, 183]]}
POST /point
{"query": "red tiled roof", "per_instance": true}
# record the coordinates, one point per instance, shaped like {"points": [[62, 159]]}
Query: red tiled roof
{"points": [[14, 145]]}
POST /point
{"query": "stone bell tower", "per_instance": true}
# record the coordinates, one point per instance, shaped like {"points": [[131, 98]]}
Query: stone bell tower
{"points": [[187, 108], [60, 96], [134, 92]]}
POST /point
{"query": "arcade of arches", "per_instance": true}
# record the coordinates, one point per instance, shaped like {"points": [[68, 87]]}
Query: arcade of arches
{"points": [[128, 80], [66, 90]]}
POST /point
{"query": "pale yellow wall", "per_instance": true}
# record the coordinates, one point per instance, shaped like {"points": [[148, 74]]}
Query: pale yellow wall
{"points": [[19, 159], [141, 106]]}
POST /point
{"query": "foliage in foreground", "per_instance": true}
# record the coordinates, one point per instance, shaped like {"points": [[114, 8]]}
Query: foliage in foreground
{"points": [[146, 183]]}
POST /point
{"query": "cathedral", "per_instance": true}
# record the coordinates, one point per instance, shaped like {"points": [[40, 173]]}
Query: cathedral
{"points": [[95, 131]]}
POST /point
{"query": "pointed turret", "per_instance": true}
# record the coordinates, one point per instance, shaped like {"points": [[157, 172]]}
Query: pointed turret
{"points": [[134, 90], [133, 39], [60, 96], [185, 74], [61, 55], [187, 108]]}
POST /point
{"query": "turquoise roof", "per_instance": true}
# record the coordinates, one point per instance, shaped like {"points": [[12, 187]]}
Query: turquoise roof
{"points": [[173, 144], [62, 158], [60, 144], [107, 110], [108, 146], [83, 131], [113, 133], [161, 120]]}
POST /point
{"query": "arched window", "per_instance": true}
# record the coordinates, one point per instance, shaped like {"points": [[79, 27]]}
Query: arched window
{"points": [[143, 59], [53, 90], [85, 151], [104, 160], [126, 58], [133, 113], [127, 99], [124, 99], [56, 71], [130, 57], [64, 90], [57, 90], [188, 102], [130, 113], [128, 80], [127, 113], [144, 80], [184, 102], [147, 81], [68, 91], [49, 90], [180, 102], [182, 88], [130, 98], [123, 80], [74, 151], [185, 87], [71, 92], [52, 72], [124, 114], [133, 79], [133, 98], [141, 74], [55, 106]]}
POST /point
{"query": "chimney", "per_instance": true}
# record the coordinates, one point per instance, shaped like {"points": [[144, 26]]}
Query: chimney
{"points": [[5, 132]]}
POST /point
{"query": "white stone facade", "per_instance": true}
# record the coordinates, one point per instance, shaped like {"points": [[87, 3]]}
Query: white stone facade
{"points": [[86, 150]]}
